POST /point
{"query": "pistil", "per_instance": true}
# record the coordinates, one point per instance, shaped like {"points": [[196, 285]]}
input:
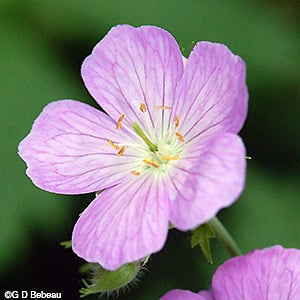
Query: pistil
{"points": [[141, 134]]}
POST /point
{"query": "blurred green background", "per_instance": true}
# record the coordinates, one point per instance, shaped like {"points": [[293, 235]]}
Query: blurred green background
{"points": [[43, 44]]}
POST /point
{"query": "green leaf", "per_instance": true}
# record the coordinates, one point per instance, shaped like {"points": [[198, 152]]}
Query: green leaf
{"points": [[66, 244], [201, 236]]}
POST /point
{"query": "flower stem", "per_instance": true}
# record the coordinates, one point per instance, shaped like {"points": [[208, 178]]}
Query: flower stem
{"points": [[225, 237]]}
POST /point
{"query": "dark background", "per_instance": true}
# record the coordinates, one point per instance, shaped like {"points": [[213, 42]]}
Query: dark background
{"points": [[43, 44]]}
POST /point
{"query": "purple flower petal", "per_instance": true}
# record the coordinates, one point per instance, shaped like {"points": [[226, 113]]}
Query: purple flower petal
{"points": [[215, 181], [206, 295], [67, 149], [123, 224], [130, 66], [212, 96], [186, 295], [271, 273], [182, 161]]}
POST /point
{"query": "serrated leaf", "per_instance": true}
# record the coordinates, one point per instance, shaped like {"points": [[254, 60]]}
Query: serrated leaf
{"points": [[201, 236]]}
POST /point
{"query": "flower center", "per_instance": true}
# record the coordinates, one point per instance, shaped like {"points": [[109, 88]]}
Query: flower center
{"points": [[161, 153]]}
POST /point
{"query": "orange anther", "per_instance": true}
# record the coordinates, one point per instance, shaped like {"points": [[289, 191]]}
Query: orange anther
{"points": [[136, 173], [113, 145], [143, 107], [176, 120], [119, 123], [151, 163], [176, 157], [179, 136], [121, 151], [162, 107]]}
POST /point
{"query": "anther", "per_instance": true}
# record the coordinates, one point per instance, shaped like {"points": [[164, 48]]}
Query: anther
{"points": [[162, 107], [143, 107], [119, 123], [110, 142], [179, 136], [135, 173], [151, 163], [176, 157], [121, 151], [176, 120]]}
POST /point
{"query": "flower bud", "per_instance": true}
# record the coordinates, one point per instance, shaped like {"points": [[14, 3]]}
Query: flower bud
{"points": [[104, 281]]}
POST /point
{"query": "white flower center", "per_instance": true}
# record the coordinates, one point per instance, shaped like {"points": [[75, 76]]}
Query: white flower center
{"points": [[160, 153]]}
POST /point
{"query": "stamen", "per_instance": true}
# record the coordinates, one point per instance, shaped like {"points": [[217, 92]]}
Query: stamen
{"points": [[162, 107], [119, 123], [121, 151], [136, 173], [176, 120], [179, 136], [176, 157], [113, 145], [151, 163], [143, 107]]}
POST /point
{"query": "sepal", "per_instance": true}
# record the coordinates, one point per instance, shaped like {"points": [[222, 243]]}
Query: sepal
{"points": [[103, 281]]}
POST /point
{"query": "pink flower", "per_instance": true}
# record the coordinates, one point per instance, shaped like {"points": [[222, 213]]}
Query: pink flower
{"points": [[271, 273], [166, 151]]}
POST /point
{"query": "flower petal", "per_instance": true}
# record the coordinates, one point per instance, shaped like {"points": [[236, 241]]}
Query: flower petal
{"points": [[130, 66], [186, 295], [67, 150], [271, 273], [206, 295], [212, 96], [215, 181], [123, 224]]}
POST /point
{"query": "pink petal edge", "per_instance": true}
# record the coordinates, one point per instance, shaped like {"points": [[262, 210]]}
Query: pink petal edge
{"points": [[270, 273], [178, 294], [212, 96], [215, 181], [123, 224], [130, 66], [67, 150]]}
